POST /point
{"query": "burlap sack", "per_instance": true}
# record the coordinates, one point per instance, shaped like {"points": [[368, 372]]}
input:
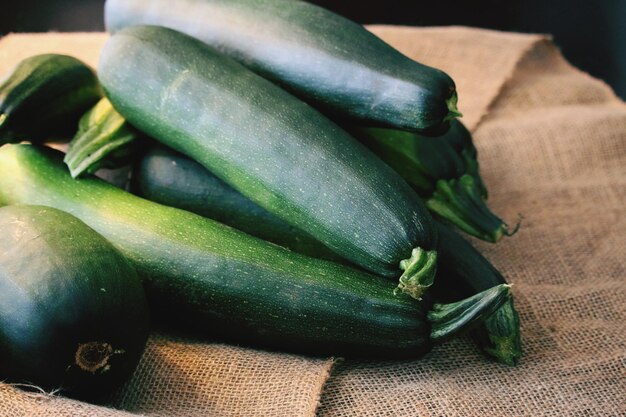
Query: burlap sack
{"points": [[552, 144]]}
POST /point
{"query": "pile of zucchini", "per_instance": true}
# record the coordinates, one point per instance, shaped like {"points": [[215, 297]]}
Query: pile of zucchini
{"points": [[295, 183]]}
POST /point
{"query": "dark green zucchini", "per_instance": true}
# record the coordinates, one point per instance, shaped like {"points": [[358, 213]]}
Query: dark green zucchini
{"points": [[202, 273], [273, 148], [316, 54], [460, 139], [462, 272], [104, 140], [73, 314], [44, 96], [167, 177], [444, 172], [173, 179]]}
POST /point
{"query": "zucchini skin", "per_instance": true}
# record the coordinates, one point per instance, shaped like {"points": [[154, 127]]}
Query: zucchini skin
{"points": [[73, 314], [444, 171], [167, 177], [44, 96], [314, 53], [273, 148], [464, 271], [460, 139], [420, 160], [201, 273], [175, 180]]}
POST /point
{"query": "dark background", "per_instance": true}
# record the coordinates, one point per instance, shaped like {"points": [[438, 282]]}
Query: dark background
{"points": [[591, 33]]}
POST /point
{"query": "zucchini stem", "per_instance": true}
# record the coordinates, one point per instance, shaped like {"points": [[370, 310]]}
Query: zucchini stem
{"points": [[453, 111], [104, 139], [93, 357], [500, 336], [448, 320], [460, 202], [419, 273]]}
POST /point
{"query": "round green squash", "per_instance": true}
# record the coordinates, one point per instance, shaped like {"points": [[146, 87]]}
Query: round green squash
{"points": [[73, 314]]}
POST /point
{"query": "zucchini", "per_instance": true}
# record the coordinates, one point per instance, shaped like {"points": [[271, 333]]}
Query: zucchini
{"points": [[273, 148], [460, 139], [104, 140], [167, 177], [44, 96], [73, 313], [316, 54], [444, 172], [201, 273], [462, 272]]}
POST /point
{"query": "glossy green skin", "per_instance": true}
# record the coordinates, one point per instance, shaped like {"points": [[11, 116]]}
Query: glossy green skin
{"points": [[201, 273], [444, 171], [421, 161], [44, 96], [459, 137], [268, 145], [63, 285], [170, 178], [464, 271], [320, 56], [461, 140]]}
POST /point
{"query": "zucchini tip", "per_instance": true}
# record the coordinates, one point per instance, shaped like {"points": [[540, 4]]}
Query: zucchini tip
{"points": [[450, 319]]}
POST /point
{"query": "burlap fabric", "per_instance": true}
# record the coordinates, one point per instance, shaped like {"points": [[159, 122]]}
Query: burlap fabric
{"points": [[552, 144]]}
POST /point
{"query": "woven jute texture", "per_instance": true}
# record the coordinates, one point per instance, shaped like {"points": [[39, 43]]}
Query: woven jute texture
{"points": [[552, 145]]}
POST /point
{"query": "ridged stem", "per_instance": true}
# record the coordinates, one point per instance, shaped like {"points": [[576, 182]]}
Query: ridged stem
{"points": [[460, 202], [499, 336], [453, 111], [104, 138], [419, 273], [450, 319]]}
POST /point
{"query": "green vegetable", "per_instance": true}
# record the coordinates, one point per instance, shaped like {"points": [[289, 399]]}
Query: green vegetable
{"points": [[73, 314], [462, 272], [312, 52], [169, 178], [201, 273], [273, 148], [44, 96], [444, 171], [104, 140], [461, 141], [172, 179]]}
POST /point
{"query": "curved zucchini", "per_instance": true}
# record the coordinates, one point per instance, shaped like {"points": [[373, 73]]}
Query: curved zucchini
{"points": [[73, 314], [444, 171], [44, 96], [314, 53], [462, 272], [202, 273], [273, 148], [167, 177], [104, 140]]}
